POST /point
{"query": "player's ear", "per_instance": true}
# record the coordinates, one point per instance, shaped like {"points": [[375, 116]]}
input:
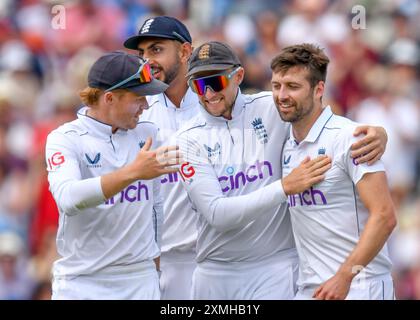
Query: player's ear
{"points": [[240, 75], [319, 89], [185, 52], [112, 96]]}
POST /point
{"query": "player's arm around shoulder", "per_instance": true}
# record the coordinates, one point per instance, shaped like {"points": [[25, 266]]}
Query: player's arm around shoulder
{"points": [[370, 145]]}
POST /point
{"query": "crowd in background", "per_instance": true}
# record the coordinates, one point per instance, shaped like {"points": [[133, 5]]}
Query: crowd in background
{"points": [[374, 78]]}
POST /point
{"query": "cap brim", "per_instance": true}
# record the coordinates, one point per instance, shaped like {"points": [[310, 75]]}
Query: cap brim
{"points": [[209, 67], [148, 89], [133, 42]]}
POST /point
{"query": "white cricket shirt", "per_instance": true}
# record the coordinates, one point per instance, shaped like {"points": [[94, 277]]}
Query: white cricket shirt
{"points": [[95, 234], [232, 174], [329, 217], [179, 230]]}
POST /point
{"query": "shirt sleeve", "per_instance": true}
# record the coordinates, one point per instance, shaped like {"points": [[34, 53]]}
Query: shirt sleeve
{"points": [[343, 146], [223, 213], [71, 193]]}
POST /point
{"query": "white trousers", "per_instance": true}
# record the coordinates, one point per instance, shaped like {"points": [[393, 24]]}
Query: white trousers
{"points": [[273, 278], [377, 288], [136, 282], [176, 277]]}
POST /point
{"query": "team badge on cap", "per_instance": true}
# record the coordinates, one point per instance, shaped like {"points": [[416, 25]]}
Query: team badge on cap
{"points": [[204, 52]]}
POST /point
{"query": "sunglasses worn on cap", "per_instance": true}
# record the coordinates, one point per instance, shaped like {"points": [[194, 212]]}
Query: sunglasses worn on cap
{"points": [[216, 82], [144, 74]]}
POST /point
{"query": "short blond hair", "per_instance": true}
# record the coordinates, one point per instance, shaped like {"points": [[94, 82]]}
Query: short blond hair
{"points": [[90, 96]]}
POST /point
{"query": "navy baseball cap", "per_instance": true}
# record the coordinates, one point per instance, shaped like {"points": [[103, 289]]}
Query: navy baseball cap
{"points": [[212, 55], [160, 27], [120, 70]]}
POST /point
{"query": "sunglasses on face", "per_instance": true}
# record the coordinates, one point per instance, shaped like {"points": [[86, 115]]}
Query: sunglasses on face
{"points": [[216, 82], [144, 75]]}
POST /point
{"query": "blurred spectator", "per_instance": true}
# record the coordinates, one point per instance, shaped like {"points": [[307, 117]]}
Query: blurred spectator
{"points": [[15, 283], [310, 21], [260, 50]]}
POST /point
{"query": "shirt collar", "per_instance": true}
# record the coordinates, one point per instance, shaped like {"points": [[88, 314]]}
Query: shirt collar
{"points": [[96, 127], [317, 127], [189, 100], [236, 112]]}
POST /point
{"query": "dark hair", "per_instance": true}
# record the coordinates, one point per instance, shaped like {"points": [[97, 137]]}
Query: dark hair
{"points": [[306, 55]]}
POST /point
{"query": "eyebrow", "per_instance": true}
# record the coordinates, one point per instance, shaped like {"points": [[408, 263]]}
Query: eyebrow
{"points": [[154, 43]]}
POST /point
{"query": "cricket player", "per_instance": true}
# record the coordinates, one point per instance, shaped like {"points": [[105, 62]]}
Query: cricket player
{"points": [[101, 170], [341, 225], [166, 43], [245, 245]]}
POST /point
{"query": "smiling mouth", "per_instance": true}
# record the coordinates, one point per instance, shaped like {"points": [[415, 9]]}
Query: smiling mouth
{"points": [[156, 71], [286, 105], [214, 101]]}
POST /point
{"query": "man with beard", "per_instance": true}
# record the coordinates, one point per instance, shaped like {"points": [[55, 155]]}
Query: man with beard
{"points": [[166, 43], [232, 173], [341, 225]]}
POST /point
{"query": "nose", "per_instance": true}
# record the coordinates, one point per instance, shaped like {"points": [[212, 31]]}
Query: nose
{"points": [[281, 94], [144, 106], [209, 93]]}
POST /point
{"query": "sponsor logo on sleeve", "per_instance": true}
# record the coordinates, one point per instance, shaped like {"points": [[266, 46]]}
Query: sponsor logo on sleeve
{"points": [[187, 172], [55, 161]]}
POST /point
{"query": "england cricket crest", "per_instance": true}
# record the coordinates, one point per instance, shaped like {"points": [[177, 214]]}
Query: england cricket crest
{"points": [[260, 130]]}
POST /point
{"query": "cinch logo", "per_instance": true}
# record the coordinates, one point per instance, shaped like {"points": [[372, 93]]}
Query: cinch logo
{"points": [[132, 193], [355, 162], [170, 178], [146, 26], [141, 144], [286, 160], [310, 197], [252, 173], [93, 163]]}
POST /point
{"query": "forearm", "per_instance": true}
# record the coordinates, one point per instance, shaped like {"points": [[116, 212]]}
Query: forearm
{"points": [[114, 182], [377, 230], [226, 213], [75, 195]]}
